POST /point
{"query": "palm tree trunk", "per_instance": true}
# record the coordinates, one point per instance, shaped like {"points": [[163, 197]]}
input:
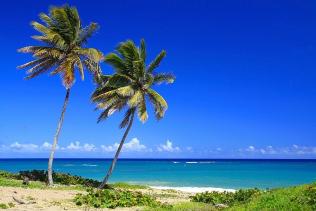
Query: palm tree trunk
{"points": [[105, 180], [52, 152]]}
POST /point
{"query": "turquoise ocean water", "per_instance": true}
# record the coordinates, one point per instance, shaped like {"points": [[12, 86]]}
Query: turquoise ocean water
{"points": [[183, 173]]}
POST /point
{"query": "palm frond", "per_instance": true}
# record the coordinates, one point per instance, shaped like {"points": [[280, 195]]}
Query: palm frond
{"points": [[80, 67], [128, 50], [31, 63], [119, 80], [124, 91], [49, 52], [164, 78], [138, 69], [159, 103], [87, 32], [129, 53], [136, 99], [142, 50], [39, 66], [92, 66], [131, 84], [156, 61], [39, 69], [126, 118], [142, 110], [115, 61], [46, 19], [68, 75], [67, 23], [62, 37], [108, 102], [90, 53], [105, 114]]}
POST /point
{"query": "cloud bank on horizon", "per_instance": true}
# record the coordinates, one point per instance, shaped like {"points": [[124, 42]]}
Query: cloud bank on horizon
{"points": [[136, 149], [76, 148]]}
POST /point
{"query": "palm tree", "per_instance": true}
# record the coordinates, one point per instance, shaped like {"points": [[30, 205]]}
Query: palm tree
{"points": [[62, 52], [129, 88]]}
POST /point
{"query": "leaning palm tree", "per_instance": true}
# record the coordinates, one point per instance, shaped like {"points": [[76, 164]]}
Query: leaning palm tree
{"points": [[129, 88], [62, 52]]}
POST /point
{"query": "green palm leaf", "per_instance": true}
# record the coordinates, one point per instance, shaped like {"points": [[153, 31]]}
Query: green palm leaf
{"points": [[62, 37], [156, 62], [132, 82], [163, 78]]}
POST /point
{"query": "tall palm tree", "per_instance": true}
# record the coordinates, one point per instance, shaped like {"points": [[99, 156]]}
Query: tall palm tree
{"points": [[129, 88], [62, 52]]}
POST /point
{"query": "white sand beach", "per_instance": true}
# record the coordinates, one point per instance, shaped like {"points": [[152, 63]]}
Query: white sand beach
{"points": [[193, 189]]}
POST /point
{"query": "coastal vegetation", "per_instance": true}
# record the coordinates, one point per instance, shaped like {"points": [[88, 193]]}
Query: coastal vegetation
{"points": [[226, 198], [129, 88], [301, 197], [62, 52], [116, 198]]}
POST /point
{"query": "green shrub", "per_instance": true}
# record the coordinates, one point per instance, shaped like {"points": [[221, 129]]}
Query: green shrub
{"points": [[184, 206], [124, 185], [115, 198], [8, 175], [301, 197], [59, 178], [3, 206], [35, 175], [227, 198], [63, 179], [11, 205], [244, 195], [310, 193], [214, 197]]}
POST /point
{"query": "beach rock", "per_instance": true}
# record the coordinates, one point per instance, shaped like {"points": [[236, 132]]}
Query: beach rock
{"points": [[221, 206], [26, 181]]}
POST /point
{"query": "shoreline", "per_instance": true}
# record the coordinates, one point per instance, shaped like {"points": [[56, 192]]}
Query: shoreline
{"points": [[193, 189]]}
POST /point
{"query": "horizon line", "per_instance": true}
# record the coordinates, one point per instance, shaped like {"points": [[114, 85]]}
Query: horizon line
{"points": [[171, 158]]}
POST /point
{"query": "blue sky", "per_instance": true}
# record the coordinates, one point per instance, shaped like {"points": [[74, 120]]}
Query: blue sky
{"points": [[245, 88]]}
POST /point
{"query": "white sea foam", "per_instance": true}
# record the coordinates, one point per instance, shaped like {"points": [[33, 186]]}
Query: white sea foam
{"points": [[193, 189], [89, 165], [202, 162], [207, 162], [175, 162]]}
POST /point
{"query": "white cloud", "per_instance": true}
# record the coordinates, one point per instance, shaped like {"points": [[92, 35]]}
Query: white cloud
{"points": [[270, 150], [250, 149], [168, 147], [89, 147], [135, 145], [110, 148], [28, 147], [132, 146], [16, 146], [76, 146], [47, 146]]}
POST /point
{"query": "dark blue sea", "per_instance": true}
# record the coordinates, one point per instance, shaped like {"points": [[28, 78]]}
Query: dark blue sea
{"points": [[216, 173]]}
